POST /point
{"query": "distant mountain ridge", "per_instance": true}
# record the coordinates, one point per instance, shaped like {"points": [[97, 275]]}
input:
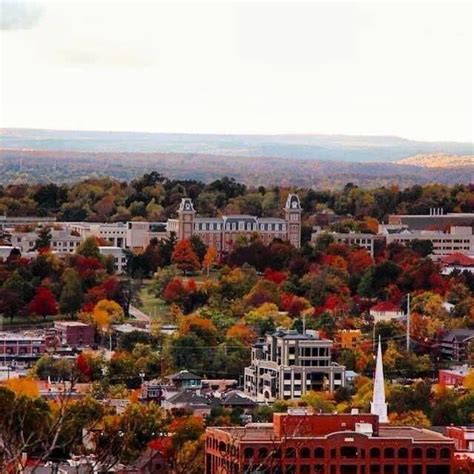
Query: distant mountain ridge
{"points": [[17, 166], [345, 148], [439, 161]]}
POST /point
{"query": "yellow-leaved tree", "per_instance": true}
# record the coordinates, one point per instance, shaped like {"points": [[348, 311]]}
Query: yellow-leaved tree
{"points": [[105, 313], [26, 386]]}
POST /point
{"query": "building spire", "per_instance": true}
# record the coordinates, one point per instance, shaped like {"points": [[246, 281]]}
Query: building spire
{"points": [[378, 405]]}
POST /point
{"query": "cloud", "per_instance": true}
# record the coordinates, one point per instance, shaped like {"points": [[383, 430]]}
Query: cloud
{"points": [[19, 14]]}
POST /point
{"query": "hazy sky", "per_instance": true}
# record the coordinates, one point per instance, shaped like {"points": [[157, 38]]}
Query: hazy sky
{"points": [[359, 68]]}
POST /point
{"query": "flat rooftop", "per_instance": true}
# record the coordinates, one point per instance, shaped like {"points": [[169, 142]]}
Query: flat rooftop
{"points": [[264, 431]]}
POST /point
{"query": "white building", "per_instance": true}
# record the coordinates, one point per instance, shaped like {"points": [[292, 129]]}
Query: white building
{"points": [[457, 239], [386, 311], [140, 233], [352, 239], [114, 233], [62, 241], [117, 253], [287, 364]]}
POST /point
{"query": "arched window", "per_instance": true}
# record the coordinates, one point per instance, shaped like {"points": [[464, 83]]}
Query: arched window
{"points": [[262, 453], [348, 452], [417, 453], [431, 453], [222, 446], [445, 453], [305, 453], [319, 453], [290, 453], [248, 453], [374, 452], [389, 453], [403, 453]]}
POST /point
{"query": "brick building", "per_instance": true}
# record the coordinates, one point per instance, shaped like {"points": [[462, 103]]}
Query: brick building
{"points": [[22, 349], [302, 443], [75, 333], [222, 232]]}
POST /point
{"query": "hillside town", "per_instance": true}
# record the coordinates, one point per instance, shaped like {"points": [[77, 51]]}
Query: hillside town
{"points": [[239, 331]]}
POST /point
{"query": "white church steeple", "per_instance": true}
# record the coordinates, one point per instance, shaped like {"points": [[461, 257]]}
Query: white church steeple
{"points": [[378, 405]]}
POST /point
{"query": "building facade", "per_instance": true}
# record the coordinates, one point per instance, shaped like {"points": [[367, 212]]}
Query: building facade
{"points": [[222, 232], [287, 364], [301, 443], [75, 333], [22, 349]]}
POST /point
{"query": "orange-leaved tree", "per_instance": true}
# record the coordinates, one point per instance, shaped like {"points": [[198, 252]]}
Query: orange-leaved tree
{"points": [[184, 257], [210, 258]]}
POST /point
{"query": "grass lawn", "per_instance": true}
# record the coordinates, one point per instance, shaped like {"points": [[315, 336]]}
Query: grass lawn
{"points": [[154, 307]]}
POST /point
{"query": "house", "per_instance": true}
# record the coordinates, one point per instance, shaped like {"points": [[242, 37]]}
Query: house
{"points": [[304, 443], [286, 364], [348, 338], [190, 400], [386, 311], [456, 262], [185, 380], [453, 377], [456, 344]]}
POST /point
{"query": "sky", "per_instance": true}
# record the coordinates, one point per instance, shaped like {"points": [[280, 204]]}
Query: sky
{"points": [[374, 68]]}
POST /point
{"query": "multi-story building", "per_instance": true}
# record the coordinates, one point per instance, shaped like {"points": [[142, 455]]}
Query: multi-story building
{"points": [[118, 256], [458, 239], [352, 239], [62, 241], [436, 219], [453, 377], [114, 233], [141, 233], [463, 437], [457, 345], [287, 364], [75, 333], [222, 232], [21, 348], [298, 442]]}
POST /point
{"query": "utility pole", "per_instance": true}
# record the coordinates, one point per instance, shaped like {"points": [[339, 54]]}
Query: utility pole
{"points": [[408, 322]]}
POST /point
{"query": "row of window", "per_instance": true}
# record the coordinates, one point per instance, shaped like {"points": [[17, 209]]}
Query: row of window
{"points": [[348, 452], [249, 226]]}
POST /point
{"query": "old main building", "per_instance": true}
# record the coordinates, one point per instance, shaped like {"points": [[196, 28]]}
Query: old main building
{"points": [[222, 232]]}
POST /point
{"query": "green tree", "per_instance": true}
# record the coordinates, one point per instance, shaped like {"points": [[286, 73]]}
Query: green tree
{"points": [[44, 239], [72, 295], [89, 248]]}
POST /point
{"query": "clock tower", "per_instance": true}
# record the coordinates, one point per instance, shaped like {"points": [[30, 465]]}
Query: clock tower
{"points": [[186, 215], [293, 219]]}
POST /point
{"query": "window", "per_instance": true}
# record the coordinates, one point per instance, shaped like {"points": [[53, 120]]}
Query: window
{"points": [[319, 453], [417, 453], [403, 453], [305, 453], [262, 453], [389, 453], [291, 453], [375, 453], [248, 453], [445, 453], [431, 453], [349, 452]]}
